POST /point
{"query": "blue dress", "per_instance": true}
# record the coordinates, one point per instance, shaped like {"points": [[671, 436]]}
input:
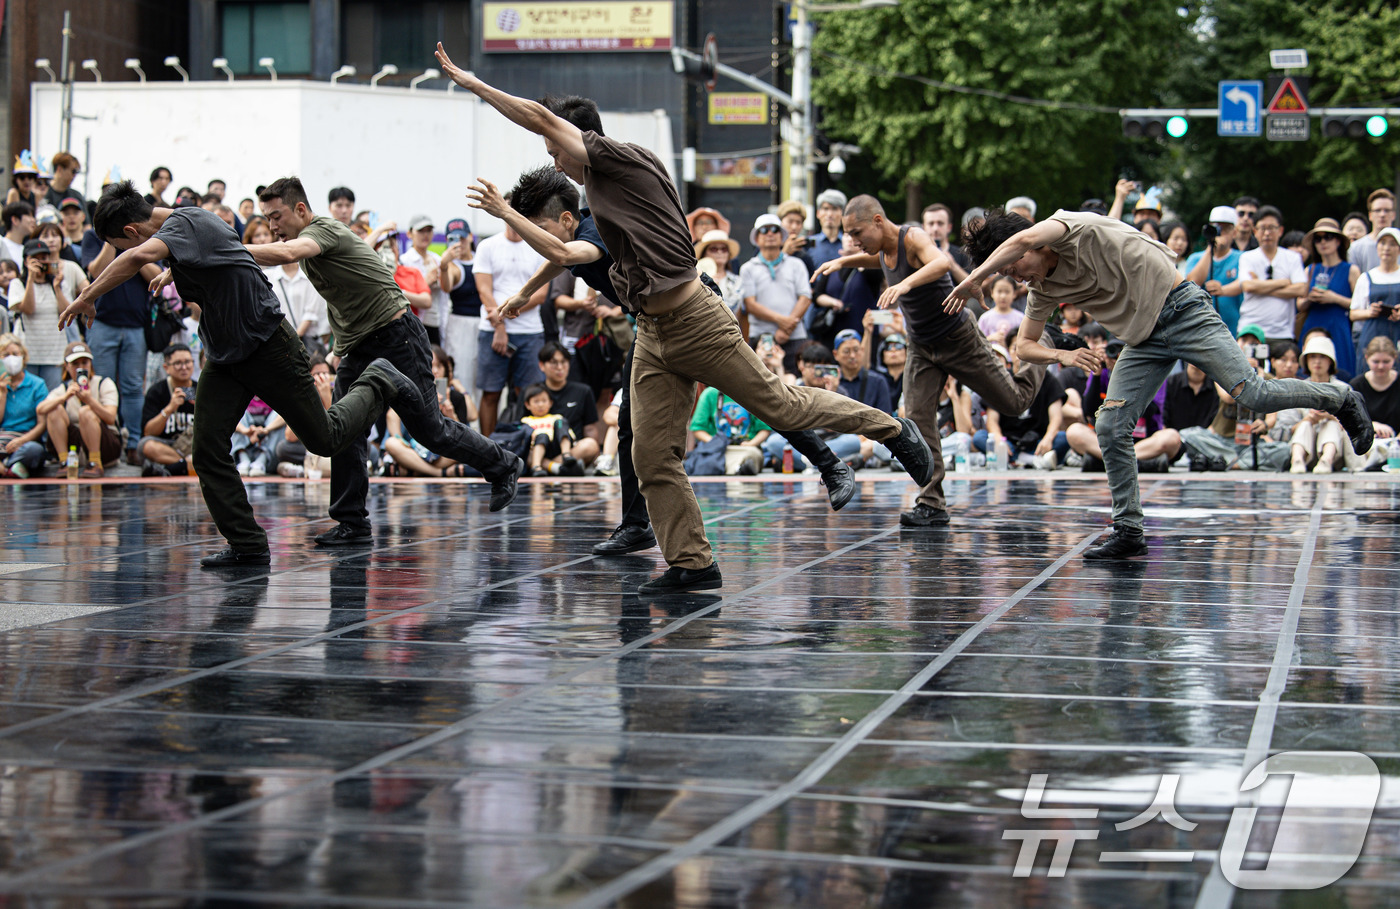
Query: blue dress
{"points": [[1332, 318]]}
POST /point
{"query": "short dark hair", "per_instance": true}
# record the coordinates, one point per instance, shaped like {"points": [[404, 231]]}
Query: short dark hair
{"points": [[155, 174], [1246, 200], [545, 193], [440, 354], [119, 206], [1292, 238], [1268, 211], [186, 191], [1280, 348], [175, 348], [1093, 330], [340, 192], [581, 112], [209, 197], [224, 183], [937, 206], [539, 388], [816, 353], [1096, 206], [981, 240], [288, 189], [13, 212], [549, 348]]}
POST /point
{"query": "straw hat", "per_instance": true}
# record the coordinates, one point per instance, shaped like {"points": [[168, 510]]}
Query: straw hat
{"points": [[716, 236], [720, 219], [1327, 226]]}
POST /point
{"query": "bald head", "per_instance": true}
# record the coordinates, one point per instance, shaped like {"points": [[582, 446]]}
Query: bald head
{"points": [[864, 208]]}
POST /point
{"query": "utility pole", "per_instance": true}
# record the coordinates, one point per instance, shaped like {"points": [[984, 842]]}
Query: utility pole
{"points": [[65, 66]]}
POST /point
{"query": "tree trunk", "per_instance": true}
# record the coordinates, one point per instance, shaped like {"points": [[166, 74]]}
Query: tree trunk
{"points": [[913, 201]]}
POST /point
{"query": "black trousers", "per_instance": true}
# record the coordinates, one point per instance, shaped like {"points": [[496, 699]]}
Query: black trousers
{"points": [[404, 342], [634, 506]]}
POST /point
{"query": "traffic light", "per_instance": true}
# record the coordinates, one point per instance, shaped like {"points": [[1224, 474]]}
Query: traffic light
{"points": [[1354, 127], [1154, 126]]}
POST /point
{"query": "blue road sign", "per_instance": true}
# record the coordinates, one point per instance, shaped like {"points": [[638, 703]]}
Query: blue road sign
{"points": [[1241, 108]]}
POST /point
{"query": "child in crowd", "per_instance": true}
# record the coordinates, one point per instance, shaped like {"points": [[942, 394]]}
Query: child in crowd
{"points": [[1001, 321], [256, 438], [550, 442]]}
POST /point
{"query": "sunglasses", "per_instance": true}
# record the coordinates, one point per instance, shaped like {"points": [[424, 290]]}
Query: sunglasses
{"points": [[1269, 273], [769, 230], [894, 345], [1244, 213]]}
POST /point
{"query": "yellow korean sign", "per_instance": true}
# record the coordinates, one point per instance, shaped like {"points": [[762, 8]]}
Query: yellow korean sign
{"points": [[577, 25], [738, 107]]}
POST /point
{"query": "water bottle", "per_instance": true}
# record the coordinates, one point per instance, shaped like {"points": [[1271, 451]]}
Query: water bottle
{"points": [[993, 462], [960, 463], [1392, 459], [1003, 453], [71, 465]]}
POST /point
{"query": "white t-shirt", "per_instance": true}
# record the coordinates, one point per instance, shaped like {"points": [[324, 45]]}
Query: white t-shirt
{"points": [[1273, 314], [299, 299], [510, 265], [13, 251], [427, 266], [1361, 297], [42, 336]]}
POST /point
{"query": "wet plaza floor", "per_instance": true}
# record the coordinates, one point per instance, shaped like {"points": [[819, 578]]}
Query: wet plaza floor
{"points": [[478, 712]]}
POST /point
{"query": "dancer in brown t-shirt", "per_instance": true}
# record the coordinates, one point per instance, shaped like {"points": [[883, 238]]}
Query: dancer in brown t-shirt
{"points": [[685, 333]]}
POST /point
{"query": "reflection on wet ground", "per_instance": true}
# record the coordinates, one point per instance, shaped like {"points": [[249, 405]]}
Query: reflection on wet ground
{"points": [[477, 712]]}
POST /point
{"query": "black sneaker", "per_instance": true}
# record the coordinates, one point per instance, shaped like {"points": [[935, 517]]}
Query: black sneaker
{"points": [[912, 451], [840, 484], [540, 472], [1159, 464], [345, 535], [570, 466], [922, 515], [154, 469], [683, 580], [1201, 463], [395, 387], [627, 538], [1357, 422], [1122, 543], [503, 489], [1092, 464], [232, 558]]}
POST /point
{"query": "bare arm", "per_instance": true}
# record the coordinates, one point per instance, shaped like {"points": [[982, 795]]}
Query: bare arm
{"points": [[121, 270], [529, 114], [1029, 349], [1016, 246], [485, 196], [855, 260], [285, 252], [935, 265]]}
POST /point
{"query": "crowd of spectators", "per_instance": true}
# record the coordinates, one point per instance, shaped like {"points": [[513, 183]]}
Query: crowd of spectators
{"points": [[1323, 305]]}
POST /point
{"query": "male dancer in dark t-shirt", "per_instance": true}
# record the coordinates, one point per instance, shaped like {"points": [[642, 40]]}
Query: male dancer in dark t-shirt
{"points": [[685, 332], [250, 347], [366, 310], [940, 344], [544, 210]]}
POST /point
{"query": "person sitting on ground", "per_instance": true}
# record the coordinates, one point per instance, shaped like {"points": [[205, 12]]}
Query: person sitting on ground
{"points": [[404, 455], [1318, 440], [1382, 395], [574, 400], [718, 415], [21, 392], [81, 411], [1000, 322], [256, 437], [606, 465], [1155, 445], [1191, 399], [551, 445], [167, 417], [1036, 436], [291, 455]]}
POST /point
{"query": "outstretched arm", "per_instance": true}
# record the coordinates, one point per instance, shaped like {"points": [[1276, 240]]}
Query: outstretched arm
{"points": [[936, 265], [1016, 246], [530, 114], [485, 196], [285, 252], [122, 269]]}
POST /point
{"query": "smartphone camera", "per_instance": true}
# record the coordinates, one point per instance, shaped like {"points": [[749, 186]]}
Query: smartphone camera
{"points": [[441, 387], [827, 371], [83, 378], [767, 340]]}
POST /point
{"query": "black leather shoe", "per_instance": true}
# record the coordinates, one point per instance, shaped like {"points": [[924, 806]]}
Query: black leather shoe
{"points": [[912, 451], [1357, 422], [503, 490], [232, 558], [683, 580], [1120, 544], [1159, 464], [396, 387], [570, 466], [1092, 464], [840, 484], [922, 515], [345, 535], [627, 538]]}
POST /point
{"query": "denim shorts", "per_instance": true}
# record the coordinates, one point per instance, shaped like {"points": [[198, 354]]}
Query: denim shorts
{"points": [[520, 368]]}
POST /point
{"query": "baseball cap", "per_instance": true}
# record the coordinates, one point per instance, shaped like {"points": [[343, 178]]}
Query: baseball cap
{"points": [[1223, 214], [832, 197], [77, 351], [70, 202], [457, 229], [893, 339], [1254, 330], [35, 248], [848, 334], [1114, 348], [766, 221], [418, 222], [1390, 232]]}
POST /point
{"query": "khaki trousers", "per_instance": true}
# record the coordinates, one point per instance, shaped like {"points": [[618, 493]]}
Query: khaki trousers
{"points": [[966, 355], [699, 341]]}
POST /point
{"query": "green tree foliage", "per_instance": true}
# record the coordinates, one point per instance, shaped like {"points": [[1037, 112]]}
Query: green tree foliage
{"points": [[970, 149]]}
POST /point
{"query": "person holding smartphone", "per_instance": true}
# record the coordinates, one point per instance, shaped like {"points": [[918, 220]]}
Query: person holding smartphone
{"points": [[45, 288], [82, 411]]}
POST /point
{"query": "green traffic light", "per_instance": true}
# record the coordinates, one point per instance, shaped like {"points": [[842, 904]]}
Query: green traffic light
{"points": [[1177, 126], [1377, 125]]}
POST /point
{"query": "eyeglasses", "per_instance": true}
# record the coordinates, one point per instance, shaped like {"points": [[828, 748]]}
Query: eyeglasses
{"points": [[770, 229], [176, 364], [1268, 228]]}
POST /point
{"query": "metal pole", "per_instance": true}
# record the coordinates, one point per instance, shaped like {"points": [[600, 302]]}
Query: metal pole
{"points": [[87, 170], [66, 68], [800, 142]]}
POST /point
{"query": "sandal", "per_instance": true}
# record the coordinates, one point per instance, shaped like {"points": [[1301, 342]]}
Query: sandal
{"points": [[456, 470]]}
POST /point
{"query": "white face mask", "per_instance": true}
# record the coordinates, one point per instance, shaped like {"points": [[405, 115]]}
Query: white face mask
{"points": [[14, 364]]}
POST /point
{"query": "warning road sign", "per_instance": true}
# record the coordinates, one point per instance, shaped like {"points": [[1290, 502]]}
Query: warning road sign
{"points": [[1289, 97]]}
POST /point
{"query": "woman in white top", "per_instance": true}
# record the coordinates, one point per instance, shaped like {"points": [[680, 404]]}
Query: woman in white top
{"points": [[1375, 302], [45, 287]]}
